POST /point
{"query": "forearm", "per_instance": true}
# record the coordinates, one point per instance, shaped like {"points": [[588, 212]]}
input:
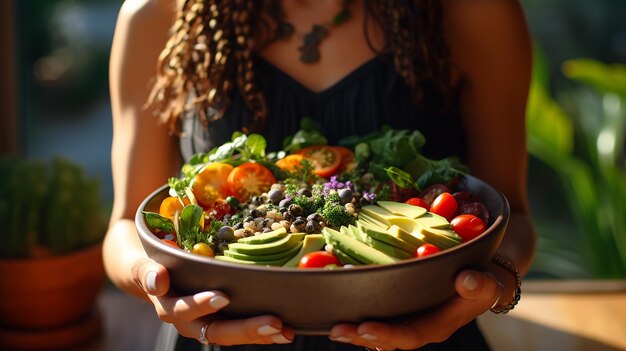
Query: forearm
{"points": [[121, 250]]}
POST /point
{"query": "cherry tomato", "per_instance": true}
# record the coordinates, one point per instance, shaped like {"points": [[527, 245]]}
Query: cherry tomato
{"points": [[325, 159], [318, 259], [426, 249], [171, 243], [203, 249], [290, 163], [250, 179], [348, 163], [431, 192], [172, 204], [416, 201], [444, 205], [211, 183], [468, 226]]}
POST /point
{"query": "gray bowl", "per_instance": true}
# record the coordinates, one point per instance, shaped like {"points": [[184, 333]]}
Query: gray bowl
{"points": [[313, 300]]}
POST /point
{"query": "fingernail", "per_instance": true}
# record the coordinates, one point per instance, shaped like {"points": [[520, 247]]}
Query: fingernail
{"points": [[470, 282], [267, 330], [218, 302], [280, 339], [369, 336], [151, 281], [341, 339]]}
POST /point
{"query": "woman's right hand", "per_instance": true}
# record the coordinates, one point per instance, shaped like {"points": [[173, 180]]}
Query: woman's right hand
{"points": [[189, 314]]}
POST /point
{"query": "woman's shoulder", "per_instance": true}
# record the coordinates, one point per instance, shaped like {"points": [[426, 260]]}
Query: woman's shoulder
{"points": [[147, 12], [481, 31]]}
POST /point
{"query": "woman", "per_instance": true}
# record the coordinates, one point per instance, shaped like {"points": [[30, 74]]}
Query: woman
{"points": [[458, 71]]}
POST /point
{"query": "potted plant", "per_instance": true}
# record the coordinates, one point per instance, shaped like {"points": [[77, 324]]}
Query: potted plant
{"points": [[51, 270]]}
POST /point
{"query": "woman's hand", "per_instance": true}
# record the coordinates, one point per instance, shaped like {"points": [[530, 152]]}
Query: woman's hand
{"points": [[476, 293], [189, 314]]}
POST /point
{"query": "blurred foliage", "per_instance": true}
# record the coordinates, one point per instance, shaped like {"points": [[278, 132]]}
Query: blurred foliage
{"points": [[579, 135], [64, 67], [48, 208]]}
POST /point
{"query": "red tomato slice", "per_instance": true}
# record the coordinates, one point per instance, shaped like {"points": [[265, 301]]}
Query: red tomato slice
{"points": [[326, 159], [249, 179], [211, 184], [468, 226], [318, 259], [348, 163]]}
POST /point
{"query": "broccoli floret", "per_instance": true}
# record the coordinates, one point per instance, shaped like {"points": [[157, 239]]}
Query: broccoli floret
{"points": [[309, 205], [336, 215]]}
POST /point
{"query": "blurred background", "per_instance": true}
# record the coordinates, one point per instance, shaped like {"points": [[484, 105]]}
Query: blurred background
{"points": [[54, 102]]}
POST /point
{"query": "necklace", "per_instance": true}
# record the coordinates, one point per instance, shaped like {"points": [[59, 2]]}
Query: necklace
{"points": [[309, 51]]}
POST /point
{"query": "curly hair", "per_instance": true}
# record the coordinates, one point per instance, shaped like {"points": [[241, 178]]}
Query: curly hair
{"points": [[210, 53]]}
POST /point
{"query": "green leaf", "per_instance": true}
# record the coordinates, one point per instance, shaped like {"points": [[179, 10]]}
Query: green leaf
{"points": [[256, 145], [401, 178], [159, 222], [602, 77], [190, 220]]}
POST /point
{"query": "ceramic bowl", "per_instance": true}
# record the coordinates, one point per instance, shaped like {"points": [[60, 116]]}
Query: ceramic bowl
{"points": [[313, 300]]}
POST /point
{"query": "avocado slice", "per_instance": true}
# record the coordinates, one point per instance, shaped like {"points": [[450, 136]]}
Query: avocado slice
{"points": [[286, 254], [385, 236], [442, 238], [433, 220], [402, 209], [355, 248], [311, 243], [265, 237], [345, 258], [379, 245], [258, 263], [415, 239], [267, 248]]}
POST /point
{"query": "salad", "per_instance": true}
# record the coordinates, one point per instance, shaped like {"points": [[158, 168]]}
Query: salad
{"points": [[372, 199]]}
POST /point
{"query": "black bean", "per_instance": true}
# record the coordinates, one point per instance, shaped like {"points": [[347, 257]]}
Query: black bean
{"points": [[256, 213], [275, 196], [295, 209], [345, 196], [226, 233], [284, 203], [314, 217]]}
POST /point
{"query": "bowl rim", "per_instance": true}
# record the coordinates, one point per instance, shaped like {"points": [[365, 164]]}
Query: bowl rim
{"points": [[144, 232]]}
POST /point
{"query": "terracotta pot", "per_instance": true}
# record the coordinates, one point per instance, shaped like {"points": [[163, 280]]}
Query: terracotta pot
{"points": [[49, 293]]}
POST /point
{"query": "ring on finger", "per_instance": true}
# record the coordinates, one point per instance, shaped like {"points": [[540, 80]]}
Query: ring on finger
{"points": [[500, 292], [203, 339]]}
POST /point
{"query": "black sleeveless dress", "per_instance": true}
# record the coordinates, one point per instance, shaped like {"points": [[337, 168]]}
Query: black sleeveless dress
{"points": [[369, 97]]}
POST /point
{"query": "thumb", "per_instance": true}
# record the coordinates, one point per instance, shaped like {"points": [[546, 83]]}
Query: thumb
{"points": [[151, 277], [481, 287]]}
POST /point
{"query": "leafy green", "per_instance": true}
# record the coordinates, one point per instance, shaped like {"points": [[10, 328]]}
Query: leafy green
{"points": [[310, 133]]}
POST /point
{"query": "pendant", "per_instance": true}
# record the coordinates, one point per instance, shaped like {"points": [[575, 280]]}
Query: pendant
{"points": [[309, 51]]}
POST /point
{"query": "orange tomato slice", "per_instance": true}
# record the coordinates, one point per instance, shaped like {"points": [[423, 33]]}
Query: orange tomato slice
{"points": [[172, 204], [249, 179], [290, 163], [326, 159], [211, 184]]}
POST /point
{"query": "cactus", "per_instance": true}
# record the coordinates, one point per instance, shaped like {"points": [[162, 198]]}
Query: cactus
{"points": [[51, 207]]}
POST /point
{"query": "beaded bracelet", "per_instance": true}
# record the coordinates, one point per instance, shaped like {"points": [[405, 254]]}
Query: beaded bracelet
{"points": [[509, 266]]}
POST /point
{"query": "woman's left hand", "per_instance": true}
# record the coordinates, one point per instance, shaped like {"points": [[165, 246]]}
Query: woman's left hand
{"points": [[476, 293]]}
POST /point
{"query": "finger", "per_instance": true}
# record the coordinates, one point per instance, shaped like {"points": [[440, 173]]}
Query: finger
{"points": [[152, 277], [256, 330], [190, 308], [476, 293]]}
